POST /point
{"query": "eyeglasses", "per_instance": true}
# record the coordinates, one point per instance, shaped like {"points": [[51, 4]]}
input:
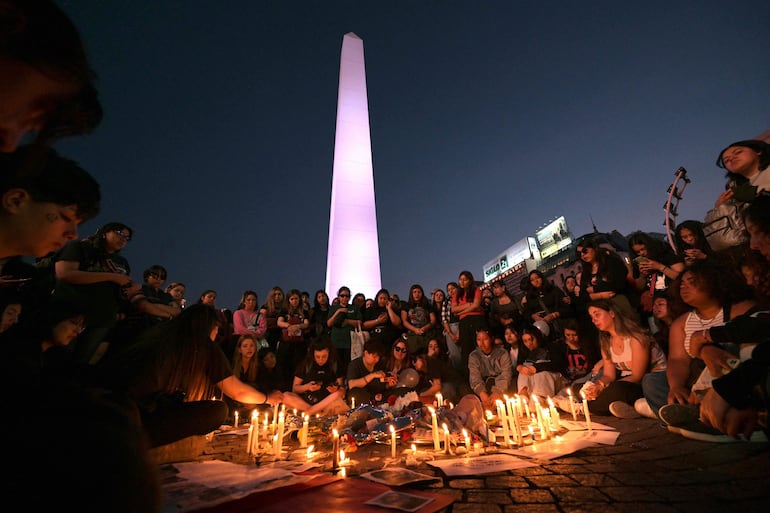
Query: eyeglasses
{"points": [[344, 295], [400, 349], [125, 237]]}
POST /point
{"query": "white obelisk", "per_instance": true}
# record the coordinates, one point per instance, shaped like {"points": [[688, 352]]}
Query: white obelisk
{"points": [[353, 257]]}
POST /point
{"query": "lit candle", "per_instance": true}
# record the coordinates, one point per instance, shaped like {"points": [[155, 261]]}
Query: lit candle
{"points": [[279, 436], [446, 438], [503, 420], [513, 421], [526, 405], [571, 404], [392, 442], [248, 440], [235, 422], [265, 428], [467, 441], [352, 403], [275, 418], [439, 400], [310, 451], [434, 428], [304, 430], [335, 449], [414, 449], [543, 422], [585, 410], [531, 432], [554, 414]]}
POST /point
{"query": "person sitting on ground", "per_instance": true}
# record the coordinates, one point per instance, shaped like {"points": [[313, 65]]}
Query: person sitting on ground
{"points": [[401, 378], [489, 370], [579, 357], [691, 243], [628, 353], [175, 374], [318, 385], [715, 293], [541, 373], [366, 375], [246, 368], [270, 375], [737, 402]]}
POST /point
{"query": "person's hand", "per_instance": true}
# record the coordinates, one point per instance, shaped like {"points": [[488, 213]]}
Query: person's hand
{"points": [[717, 360], [717, 413], [382, 318], [313, 386], [649, 266], [275, 397], [121, 279], [679, 395], [723, 197]]}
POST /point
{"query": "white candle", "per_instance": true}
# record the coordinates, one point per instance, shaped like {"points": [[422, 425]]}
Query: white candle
{"points": [[392, 442], [275, 417], [467, 440], [304, 430], [310, 451], [526, 405], [571, 404], [434, 428], [503, 420], [335, 449], [352, 403], [248, 440], [439, 400], [235, 422], [585, 411], [446, 438], [279, 436], [554, 414]]}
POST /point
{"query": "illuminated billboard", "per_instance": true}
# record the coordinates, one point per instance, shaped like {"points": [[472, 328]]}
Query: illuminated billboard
{"points": [[509, 259], [554, 237]]}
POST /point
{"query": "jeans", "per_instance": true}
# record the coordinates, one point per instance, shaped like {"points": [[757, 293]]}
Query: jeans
{"points": [[655, 389]]}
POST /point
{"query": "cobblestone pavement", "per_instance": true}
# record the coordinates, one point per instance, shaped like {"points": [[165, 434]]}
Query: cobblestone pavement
{"points": [[647, 470]]}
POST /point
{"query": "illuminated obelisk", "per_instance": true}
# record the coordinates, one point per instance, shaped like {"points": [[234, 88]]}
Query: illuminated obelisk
{"points": [[353, 257]]}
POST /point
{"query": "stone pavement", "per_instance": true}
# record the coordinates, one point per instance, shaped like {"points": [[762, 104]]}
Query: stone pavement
{"points": [[647, 470]]}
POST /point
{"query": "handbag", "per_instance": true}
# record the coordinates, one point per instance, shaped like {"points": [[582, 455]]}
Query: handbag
{"points": [[357, 340], [292, 334], [723, 226]]}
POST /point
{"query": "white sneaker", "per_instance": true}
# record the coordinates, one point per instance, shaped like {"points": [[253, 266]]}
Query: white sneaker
{"points": [[642, 407], [623, 410]]}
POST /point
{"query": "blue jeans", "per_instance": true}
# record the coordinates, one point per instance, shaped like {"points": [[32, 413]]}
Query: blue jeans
{"points": [[655, 388]]}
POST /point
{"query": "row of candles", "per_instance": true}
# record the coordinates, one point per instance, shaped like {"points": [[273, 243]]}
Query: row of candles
{"points": [[273, 433]]}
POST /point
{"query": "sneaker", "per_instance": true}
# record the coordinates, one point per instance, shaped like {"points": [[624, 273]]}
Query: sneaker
{"points": [[699, 431], [623, 410], [642, 407], [678, 414]]}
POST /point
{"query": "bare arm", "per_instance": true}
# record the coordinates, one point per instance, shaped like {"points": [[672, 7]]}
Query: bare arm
{"points": [[68, 271], [240, 391]]}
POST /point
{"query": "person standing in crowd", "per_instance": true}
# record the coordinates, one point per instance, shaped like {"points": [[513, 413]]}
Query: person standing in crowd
{"points": [[451, 323], [382, 320], [504, 311], [418, 319], [343, 318], [466, 304], [319, 314], [247, 320], [271, 310], [294, 322]]}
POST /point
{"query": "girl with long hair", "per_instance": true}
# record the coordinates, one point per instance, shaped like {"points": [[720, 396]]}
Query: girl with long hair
{"points": [[466, 304], [628, 353]]}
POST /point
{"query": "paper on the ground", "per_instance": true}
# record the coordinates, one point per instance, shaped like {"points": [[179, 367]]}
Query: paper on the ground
{"points": [[399, 500], [550, 449], [572, 425], [598, 436], [480, 465], [195, 485], [397, 476]]}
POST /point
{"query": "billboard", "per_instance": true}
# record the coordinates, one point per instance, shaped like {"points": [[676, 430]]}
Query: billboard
{"points": [[553, 237], [509, 259]]}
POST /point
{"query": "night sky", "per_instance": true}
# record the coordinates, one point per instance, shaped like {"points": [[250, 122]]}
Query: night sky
{"points": [[488, 120]]}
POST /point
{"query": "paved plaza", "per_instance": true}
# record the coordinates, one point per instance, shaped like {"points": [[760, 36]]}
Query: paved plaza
{"points": [[647, 470]]}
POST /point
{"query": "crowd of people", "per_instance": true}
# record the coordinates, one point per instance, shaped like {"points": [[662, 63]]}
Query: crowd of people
{"points": [[111, 368]]}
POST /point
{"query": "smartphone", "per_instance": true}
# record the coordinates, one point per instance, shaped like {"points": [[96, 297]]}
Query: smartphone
{"points": [[745, 192]]}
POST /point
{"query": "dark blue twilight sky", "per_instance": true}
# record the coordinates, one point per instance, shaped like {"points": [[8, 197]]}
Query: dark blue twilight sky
{"points": [[488, 120]]}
